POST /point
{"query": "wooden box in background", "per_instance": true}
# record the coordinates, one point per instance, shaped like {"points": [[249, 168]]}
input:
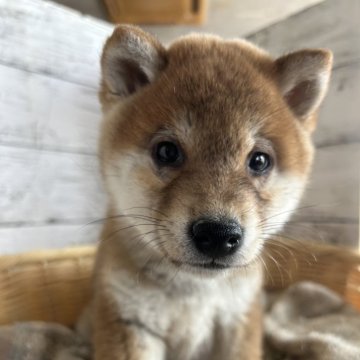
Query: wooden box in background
{"points": [[157, 11]]}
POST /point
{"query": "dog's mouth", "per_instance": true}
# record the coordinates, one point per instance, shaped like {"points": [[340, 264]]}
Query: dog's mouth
{"points": [[212, 265]]}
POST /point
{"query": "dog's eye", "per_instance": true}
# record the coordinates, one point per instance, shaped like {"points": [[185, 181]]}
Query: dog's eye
{"points": [[259, 163], [167, 153]]}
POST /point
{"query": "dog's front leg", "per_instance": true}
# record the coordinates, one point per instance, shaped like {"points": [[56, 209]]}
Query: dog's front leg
{"points": [[127, 343], [118, 338], [242, 340], [249, 344]]}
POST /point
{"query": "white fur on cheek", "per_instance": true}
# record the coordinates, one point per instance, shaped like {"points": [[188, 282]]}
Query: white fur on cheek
{"points": [[287, 190], [125, 192], [129, 198], [251, 246]]}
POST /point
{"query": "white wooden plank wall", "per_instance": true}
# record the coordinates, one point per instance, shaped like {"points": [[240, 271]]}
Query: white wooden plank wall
{"points": [[49, 119], [39, 36]]}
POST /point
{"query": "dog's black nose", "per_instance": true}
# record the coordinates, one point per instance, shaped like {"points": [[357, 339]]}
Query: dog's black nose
{"points": [[216, 238]]}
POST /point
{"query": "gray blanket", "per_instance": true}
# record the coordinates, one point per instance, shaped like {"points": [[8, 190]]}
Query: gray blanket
{"points": [[307, 321]]}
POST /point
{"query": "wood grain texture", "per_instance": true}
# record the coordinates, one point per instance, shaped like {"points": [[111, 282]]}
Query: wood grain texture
{"points": [[333, 189], [332, 24], [339, 121], [56, 284], [38, 111], [38, 186], [49, 183], [41, 37]]}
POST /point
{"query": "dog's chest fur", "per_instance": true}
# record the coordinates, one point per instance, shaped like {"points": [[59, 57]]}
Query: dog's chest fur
{"points": [[190, 317]]}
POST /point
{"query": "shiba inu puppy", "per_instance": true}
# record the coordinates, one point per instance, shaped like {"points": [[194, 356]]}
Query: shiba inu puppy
{"points": [[205, 151]]}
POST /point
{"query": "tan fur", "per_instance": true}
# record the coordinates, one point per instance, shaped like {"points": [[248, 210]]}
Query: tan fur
{"points": [[220, 101]]}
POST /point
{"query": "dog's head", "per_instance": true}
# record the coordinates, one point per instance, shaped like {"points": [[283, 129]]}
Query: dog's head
{"points": [[207, 142]]}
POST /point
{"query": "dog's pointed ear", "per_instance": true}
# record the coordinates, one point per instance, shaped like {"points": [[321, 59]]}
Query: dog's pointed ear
{"points": [[303, 78], [131, 59]]}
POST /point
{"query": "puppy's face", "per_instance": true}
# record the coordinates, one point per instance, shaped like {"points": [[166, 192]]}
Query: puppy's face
{"points": [[206, 146]]}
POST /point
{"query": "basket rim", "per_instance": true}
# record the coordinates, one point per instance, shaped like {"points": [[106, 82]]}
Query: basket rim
{"points": [[45, 256]]}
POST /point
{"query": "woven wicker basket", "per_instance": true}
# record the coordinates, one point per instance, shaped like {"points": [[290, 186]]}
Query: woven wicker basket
{"points": [[54, 285], [48, 286]]}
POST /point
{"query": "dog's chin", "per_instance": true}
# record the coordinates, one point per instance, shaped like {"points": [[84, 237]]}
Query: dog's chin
{"points": [[210, 268]]}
